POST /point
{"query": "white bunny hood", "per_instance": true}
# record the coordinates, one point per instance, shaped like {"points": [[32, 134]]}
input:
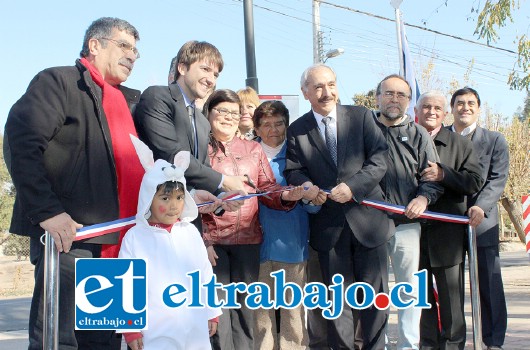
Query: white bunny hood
{"points": [[158, 173]]}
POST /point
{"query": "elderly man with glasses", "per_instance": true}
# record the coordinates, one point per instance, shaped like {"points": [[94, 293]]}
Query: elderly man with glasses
{"points": [[68, 151], [411, 150]]}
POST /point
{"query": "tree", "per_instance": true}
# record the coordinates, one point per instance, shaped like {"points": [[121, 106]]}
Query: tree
{"points": [[518, 137], [7, 194], [367, 100], [494, 15], [523, 113]]}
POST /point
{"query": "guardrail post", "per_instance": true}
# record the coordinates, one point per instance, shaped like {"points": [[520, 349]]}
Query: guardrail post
{"points": [[473, 282], [50, 336]]}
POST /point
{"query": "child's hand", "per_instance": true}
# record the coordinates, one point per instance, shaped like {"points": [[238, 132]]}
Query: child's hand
{"points": [[212, 327], [212, 256], [138, 344]]}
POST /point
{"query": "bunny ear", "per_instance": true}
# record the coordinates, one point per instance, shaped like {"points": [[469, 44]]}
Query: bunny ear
{"points": [[182, 160], [144, 153]]}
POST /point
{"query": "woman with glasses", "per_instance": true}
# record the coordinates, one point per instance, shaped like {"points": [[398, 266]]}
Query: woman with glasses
{"points": [[233, 238]]}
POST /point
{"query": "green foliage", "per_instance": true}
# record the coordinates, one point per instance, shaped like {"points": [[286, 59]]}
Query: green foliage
{"points": [[16, 245], [367, 100], [495, 15]]}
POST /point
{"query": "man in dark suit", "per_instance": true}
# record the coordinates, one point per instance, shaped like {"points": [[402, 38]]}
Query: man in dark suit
{"points": [[168, 122], [442, 245], [339, 148], [492, 152]]}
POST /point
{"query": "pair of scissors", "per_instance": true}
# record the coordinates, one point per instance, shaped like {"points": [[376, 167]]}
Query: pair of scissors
{"points": [[253, 185]]}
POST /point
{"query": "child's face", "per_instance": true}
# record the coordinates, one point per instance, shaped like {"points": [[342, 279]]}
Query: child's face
{"points": [[166, 207]]}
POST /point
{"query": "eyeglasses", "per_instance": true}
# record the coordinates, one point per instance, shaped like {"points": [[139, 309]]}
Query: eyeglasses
{"points": [[125, 47], [223, 112], [400, 95]]}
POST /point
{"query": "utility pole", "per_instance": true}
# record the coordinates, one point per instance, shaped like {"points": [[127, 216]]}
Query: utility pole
{"points": [[317, 34], [395, 4], [250, 50]]}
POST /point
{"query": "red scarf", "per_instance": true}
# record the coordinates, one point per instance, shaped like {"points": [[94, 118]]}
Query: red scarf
{"points": [[129, 171]]}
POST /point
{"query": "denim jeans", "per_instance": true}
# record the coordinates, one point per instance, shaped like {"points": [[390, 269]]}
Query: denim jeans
{"points": [[404, 252]]}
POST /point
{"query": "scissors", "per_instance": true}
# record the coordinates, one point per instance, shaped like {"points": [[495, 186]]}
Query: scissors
{"points": [[253, 185]]}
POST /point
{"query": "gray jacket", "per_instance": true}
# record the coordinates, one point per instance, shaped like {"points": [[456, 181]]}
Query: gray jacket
{"points": [[410, 147]]}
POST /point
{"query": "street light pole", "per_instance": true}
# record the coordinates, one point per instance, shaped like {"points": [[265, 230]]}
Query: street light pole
{"points": [[333, 53], [250, 50]]}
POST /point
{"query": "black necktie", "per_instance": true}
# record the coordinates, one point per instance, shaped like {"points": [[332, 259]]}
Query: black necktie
{"points": [[191, 115], [331, 141]]}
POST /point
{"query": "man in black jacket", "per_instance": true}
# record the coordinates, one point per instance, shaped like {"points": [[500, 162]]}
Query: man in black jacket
{"points": [[443, 243], [64, 164], [410, 151]]}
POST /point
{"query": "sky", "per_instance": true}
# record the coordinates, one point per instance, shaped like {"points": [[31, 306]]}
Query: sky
{"points": [[40, 34]]}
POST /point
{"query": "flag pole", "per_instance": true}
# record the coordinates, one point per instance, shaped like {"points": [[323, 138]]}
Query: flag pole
{"points": [[396, 4]]}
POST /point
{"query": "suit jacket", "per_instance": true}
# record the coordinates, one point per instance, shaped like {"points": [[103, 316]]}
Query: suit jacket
{"points": [[162, 122], [446, 242], [361, 164], [492, 151]]}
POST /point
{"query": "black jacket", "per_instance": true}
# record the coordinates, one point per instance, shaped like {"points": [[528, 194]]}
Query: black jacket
{"points": [[446, 241], [361, 163], [60, 153], [409, 148]]}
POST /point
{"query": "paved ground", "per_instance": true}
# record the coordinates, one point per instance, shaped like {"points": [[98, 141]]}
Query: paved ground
{"points": [[516, 275]]}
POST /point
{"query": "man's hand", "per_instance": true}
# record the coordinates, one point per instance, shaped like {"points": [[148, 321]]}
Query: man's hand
{"points": [[476, 215], [202, 196], [234, 183], [212, 256], [232, 205], [433, 172], [320, 198], [293, 195], [341, 193], [63, 230], [416, 207]]}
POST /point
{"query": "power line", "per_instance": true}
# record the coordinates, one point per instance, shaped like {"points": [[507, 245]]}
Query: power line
{"points": [[418, 27]]}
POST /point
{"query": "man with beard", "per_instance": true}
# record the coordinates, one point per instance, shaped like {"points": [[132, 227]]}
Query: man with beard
{"points": [[411, 150]]}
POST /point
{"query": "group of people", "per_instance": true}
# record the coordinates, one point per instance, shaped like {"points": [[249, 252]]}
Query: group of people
{"points": [[71, 148]]}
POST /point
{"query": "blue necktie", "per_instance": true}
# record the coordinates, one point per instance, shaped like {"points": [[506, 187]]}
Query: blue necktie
{"points": [[331, 141]]}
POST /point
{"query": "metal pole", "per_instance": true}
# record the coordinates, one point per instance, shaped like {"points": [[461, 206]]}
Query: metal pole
{"points": [[50, 339], [317, 54], [252, 76], [473, 283], [399, 43]]}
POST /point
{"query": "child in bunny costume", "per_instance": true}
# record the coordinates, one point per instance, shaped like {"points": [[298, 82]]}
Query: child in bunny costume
{"points": [[165, 237]]}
